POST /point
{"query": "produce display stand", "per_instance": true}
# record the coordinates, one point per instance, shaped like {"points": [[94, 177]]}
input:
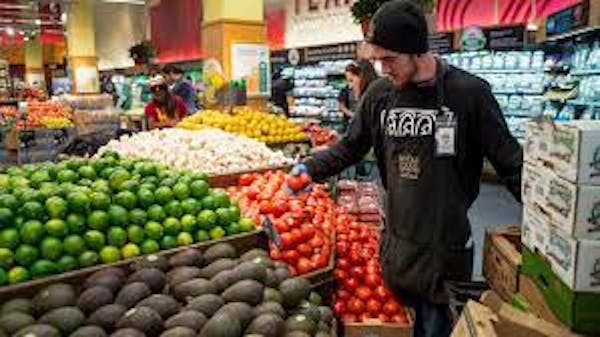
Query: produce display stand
{"points": [[242, 242], [379, 329], [37, 145], [228, 180], [502, 260]]}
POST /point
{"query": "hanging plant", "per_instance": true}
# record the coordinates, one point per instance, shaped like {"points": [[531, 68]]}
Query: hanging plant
{"points": [[142, 52]]}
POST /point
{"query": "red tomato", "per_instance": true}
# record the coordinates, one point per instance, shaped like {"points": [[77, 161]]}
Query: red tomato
{"points": [[351, 284], [252, 193], [287, 240], [320, 260], [356, 306], [343, 264], [304, 249], [349, 318], [343, 294], [316, 242], [275, 254], [399, 319], [391, 308], [382, 293], [365, 317], [296, 236], [266, 207], [340, 275], [291, 257], [293, 271], [295, 183], [372, 280], [305, 179], [341, 248], [308, 232], [339, 308], [384, 318], [374, 307], [364, 293], [357, 271], [245, 180], [304, 265]]}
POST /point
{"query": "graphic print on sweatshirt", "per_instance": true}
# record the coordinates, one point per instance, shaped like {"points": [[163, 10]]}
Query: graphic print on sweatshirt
{"points": [[408, 122]]}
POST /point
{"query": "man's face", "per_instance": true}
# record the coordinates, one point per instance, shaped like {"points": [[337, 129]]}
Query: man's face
{"points": [[399, 68]]}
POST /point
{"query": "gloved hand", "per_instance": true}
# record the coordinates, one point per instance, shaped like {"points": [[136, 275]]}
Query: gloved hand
{"points": [[298, 169], [298, 181]]}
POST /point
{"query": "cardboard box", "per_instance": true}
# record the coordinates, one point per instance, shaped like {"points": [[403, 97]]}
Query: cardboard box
{"points": [[534, 183], [576, 262], [575, 151], [535, 229], [376, 328], [502, 261], [538, 135]]}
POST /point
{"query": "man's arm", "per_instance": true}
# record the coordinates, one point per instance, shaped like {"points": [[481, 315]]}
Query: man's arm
{"points": [[499, 146]]}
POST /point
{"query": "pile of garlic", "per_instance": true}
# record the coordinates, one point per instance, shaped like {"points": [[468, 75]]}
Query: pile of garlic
{"points": [[212, 151]]}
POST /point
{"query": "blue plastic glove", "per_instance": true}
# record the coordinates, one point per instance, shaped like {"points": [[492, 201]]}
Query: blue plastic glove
{"points": [[298, 169]]}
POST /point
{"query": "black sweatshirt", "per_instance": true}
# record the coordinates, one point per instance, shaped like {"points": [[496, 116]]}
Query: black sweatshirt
{"points": [[428, 196]]}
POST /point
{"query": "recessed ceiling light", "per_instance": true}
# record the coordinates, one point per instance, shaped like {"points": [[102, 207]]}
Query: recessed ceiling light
{"points": [[38, 22], [63, 17]]}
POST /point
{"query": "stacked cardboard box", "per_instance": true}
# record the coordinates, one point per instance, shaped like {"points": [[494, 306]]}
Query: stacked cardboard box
{"points": [[561, 196]]}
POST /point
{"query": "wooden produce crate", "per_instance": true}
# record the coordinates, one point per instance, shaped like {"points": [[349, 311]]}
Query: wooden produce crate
{"points": [[242, 242], [578, 310], [376, 328], [227, 180], [502, 260], [536, 303]]}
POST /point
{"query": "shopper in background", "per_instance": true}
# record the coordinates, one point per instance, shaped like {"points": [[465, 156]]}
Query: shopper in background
{"points": [[359, 75], [430, 125], [165, 109], [279, 91], [181, 87]]}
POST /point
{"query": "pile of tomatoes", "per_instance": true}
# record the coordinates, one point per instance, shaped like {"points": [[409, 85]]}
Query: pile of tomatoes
{"points": [[361, 294], [39, 115], [304, 221], [320, 136]]}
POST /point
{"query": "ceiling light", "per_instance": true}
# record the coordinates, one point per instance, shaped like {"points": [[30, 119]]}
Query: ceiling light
{"points": [[10, 31], [38, 22], [63, 17]]}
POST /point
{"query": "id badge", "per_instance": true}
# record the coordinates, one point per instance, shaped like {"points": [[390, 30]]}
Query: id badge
{"points": [[445, 134]]}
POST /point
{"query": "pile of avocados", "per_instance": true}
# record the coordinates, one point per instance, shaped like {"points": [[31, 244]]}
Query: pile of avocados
{"points": [[192, 294]]}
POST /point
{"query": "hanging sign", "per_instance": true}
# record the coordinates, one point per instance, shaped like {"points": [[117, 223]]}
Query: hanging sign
{"points": [[472, 39], [441, 43], [505, 38], [250, 62], [331, 52], [568, 19]]}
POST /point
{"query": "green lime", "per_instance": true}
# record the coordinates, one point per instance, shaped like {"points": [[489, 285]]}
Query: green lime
{"points": [[6, 217], [7, 258], [181, 191], [3, 277], [147, 186], [200, 176], [156, 213], [67, 263], [208, 202], [100, 201], [106, 173], [233, 228], [33, 195], [88, 259], [217, 233], [126, 199], [202, 236], [153, 230], [185, 179], [199, 189], [78, 202], [191, 206], [9, 201], [67, 176], [118, 215], [116, 236], [246, 225], [39, 177], [99, 220], [56, 207], [76, 223], [56, 228], [148, 169], [135, 234], [117, 178], [9, 238], [172, 226], [184, 239], [234, 212], [174, 209], [101, 186], [168, 182], [110, 254], [137, 217], [207, 219], [145, 197], [26, 255], [189, 223], [224, 217], [75, 163], [74, 245], [51, 248], [32, 210], [50, 190], [163, 195], [150, 247], [87, 172], [32, 232], [94, 240], [43, 268], [168, 242], [18, 275], [130, 250], [221, 198]]}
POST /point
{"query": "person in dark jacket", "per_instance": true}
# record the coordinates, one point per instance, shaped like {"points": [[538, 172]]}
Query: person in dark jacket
{"points": [[181, 87], [279, 91], [430, 125], [359, 75]]}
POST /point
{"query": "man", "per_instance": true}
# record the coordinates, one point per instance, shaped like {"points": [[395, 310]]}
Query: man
{"points": [[279, 91], [181, 87], [430, 125]]}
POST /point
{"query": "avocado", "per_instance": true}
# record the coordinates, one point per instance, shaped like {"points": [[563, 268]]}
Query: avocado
{"points": [[326, 314], [111, 278], [165, 305], [264, 261], [272, 295], [250, 271], [322, 326], [143, 319], [93, 298], [54, 296], [218, 266], [65, 319], [315, 298], [89, 331], [128, 332], [297, 334], [179, 275], [189, 257], [179, 331], [294, 290], [254, 253], [309, 310], [154, 278], [15, 321], [23, 305], [323, 333], [194, 288], [132, 293], [206, 304], [268, 325], [111, 271], [282, 274], [38, 330], [220, 251], [224, 279], [240, 310], [151, 261], [271, 280], [280, 264], [107, 316], [301, 323], [222, 325], [190, 319], [270, 307], [248, 291]]}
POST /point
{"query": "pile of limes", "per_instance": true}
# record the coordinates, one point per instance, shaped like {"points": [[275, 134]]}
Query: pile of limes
{"points": [[78, 213]]}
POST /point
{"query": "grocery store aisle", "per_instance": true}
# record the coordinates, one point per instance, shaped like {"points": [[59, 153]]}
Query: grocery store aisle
{"points": [[495, 207]]}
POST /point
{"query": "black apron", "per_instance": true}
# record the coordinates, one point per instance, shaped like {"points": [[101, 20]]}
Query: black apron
{"points": [[426, 232]]}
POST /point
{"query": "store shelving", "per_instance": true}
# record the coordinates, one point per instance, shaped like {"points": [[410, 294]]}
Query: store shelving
{"points": [[584, 72]]}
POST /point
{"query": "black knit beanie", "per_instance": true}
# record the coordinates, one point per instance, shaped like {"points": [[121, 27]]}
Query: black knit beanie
{"points": [[400, 26]]}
